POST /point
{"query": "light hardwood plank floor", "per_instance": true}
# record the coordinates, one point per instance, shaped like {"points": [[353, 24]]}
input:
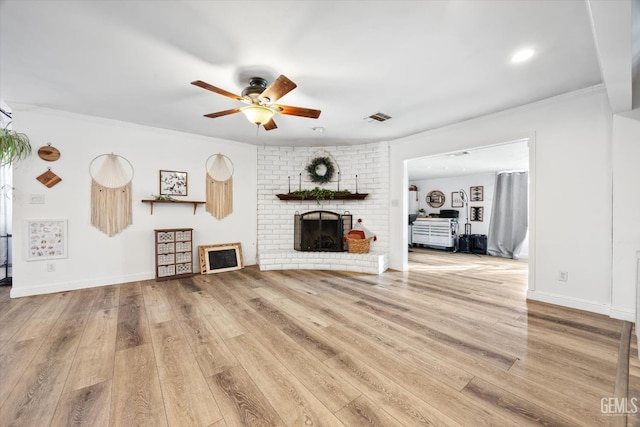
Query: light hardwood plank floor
{"points": [[452, 342]]}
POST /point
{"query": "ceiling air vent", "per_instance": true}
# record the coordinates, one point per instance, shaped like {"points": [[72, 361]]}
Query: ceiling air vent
{"points": [[460, 153], [378, 117]]}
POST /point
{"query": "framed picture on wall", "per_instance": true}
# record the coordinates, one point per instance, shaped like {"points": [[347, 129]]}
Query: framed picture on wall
{"points": [[476, 213], [476, 193], [46, 239], [173, 183], [456, 200]]}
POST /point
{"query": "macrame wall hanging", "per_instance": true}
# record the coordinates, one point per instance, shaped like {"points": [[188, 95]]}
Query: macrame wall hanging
{"points": [[111, 177], [219, 186]]}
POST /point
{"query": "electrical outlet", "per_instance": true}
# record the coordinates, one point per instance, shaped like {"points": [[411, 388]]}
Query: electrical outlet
{"points": [[563, 276], [51, 267]]}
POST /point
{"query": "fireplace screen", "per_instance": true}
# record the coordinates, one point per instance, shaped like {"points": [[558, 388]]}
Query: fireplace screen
{"points": [[321, 231]]}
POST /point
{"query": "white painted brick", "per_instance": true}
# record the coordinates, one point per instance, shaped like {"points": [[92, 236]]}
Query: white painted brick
{"points": [[307, 266], [275, 217]]}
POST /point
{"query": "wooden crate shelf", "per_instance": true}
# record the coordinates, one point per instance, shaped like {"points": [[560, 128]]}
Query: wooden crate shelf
{"points": [[174, 253]]}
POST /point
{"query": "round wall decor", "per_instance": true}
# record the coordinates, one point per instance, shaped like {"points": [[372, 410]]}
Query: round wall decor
{"points": [[48, 153], [320, 170], [435, 199]]}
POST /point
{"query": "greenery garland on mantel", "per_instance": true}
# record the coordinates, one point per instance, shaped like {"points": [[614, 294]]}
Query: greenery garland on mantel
{"points": [[320, 194]]}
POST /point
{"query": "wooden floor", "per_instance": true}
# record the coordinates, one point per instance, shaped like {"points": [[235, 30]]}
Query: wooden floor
{"points": [[452, 342]]}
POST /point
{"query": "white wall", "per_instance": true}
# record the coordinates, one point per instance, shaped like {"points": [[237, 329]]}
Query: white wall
{"points": [[95, 259], [570, 185], [626, 214]]}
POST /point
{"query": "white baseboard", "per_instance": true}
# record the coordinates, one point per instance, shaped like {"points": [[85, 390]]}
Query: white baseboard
{"points": [[564, 301], [622, 315], [17, 291]]}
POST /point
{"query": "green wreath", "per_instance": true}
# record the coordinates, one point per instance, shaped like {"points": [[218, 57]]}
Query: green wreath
{"points": [[316, 168]]}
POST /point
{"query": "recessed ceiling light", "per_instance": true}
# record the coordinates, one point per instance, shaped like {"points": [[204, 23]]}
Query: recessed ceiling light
{"points": [[522, 55], [318, 129]]}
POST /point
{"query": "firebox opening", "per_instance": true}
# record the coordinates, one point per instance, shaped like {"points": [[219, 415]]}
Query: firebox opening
{"points": [[321, 231]]}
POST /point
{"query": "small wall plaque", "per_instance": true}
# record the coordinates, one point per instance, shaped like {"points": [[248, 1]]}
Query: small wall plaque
{"points": [[49, 153], [49, 179]]}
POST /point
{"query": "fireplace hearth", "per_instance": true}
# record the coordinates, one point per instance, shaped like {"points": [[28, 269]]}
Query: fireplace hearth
{"points": [[321, 231]]}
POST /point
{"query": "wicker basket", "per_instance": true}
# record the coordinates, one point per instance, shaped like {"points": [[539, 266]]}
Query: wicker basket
{"points": [[359, 246]]}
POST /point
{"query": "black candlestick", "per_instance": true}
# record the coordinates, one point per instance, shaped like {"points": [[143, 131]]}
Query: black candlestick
{"points": [[289, 178]]}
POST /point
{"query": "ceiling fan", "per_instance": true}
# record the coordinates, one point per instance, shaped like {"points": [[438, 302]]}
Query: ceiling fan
{"points": [[261, 101]]}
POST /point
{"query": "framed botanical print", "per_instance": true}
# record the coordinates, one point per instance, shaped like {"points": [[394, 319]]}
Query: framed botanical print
{"points": [[173, 183]]}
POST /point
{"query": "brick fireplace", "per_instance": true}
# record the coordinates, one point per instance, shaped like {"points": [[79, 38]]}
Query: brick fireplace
{"points": [[281, 167]]}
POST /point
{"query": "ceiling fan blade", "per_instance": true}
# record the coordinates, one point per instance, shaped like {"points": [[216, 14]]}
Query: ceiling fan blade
{"points": [[270, 125], [278, 89], [217, 90], [298, 111], [222, 113]]}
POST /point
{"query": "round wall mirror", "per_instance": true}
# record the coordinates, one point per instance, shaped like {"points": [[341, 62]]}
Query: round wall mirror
{"points": [[435, 199]]}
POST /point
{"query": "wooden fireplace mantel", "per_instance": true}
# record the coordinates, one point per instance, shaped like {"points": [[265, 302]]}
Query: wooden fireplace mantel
{"points": [[352, 196]]}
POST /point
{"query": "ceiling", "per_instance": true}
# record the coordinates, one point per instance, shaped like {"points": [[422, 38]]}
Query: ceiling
{"points": [[511, 156], [424, 63]]}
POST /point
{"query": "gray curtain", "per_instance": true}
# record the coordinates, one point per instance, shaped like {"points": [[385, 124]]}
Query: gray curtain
{"points": [[509, 217]]}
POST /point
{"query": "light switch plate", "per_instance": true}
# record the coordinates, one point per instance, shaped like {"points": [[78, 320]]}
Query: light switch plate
{"points": [[36, 199]]}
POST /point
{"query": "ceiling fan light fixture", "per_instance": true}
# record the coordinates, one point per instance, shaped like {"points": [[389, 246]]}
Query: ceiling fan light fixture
{"points": [[257, 114], [260, 97]]}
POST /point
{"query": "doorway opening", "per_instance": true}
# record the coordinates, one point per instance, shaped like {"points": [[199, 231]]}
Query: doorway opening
{"points": [[464, 181]]}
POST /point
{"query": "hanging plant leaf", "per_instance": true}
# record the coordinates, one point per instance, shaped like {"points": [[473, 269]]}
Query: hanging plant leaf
{"points": [[13, 146]]}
